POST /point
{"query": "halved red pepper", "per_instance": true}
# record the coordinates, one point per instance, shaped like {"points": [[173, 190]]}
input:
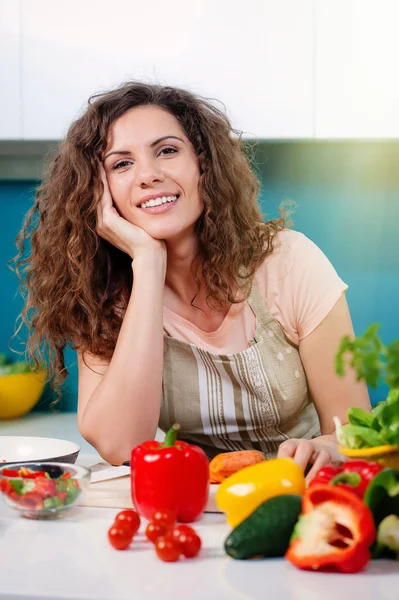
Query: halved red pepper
{"points": [[355, 475], [334, 531], [172, 475]]}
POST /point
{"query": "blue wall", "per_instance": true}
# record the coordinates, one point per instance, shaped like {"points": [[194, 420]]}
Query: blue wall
{"points": [[347, 197]]}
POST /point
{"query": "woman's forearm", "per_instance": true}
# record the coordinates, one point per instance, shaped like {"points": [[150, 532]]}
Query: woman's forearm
{"points": [[124, 409]]}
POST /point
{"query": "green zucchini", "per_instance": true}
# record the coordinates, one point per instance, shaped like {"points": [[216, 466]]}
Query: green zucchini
{"points": [[267, 531]]}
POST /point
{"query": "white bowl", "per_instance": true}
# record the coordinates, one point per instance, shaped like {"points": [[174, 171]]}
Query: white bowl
{"points": [[15, 448]]}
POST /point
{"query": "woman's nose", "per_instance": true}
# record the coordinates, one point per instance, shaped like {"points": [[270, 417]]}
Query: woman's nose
{"points": [[147, 172]]}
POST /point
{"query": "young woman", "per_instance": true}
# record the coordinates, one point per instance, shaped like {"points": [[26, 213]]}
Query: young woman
{"points": [[149, 255]]}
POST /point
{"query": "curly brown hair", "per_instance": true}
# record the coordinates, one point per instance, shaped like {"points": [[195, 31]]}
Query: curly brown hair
{"points": [[73, 280]]}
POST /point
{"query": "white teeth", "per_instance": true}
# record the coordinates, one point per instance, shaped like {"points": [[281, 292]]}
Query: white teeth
{"points": [[158, 201]]}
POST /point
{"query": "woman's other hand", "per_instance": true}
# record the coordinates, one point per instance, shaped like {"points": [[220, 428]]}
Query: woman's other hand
{"points": [[314, 453], [118, 231]]}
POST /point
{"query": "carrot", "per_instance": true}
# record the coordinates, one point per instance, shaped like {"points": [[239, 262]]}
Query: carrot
{"points": [[225, 464]]}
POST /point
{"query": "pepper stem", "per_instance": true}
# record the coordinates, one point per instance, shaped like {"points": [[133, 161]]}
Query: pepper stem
{"points": [[352, 479], [171, 436]]}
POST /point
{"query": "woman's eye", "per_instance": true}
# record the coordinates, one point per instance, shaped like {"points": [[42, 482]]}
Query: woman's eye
{"points": [[121, 165], [168, 150]]}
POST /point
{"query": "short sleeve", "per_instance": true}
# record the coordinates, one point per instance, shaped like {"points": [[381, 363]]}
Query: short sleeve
{"points": [[300, 285]]}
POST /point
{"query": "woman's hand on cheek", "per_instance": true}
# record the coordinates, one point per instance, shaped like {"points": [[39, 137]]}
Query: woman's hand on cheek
{"points": [[118, 231], [310, 453]]}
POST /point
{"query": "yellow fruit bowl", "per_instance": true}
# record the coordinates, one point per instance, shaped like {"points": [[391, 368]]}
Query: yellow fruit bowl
{"points": [[20, 392], [385, 455]]}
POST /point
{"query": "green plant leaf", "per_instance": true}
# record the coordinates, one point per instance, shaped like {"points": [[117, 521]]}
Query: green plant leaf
{"points": [[390, 434], [365, 354], [363, 418], [354, 437], [389, 414]]}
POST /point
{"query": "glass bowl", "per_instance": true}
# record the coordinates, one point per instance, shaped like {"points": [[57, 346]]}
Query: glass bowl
{"points": [[43, 490], [385, 455]]}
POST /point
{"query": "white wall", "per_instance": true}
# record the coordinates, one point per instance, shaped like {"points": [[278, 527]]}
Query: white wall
{"points": [[357, 56], [283, 68], [10, 69]]}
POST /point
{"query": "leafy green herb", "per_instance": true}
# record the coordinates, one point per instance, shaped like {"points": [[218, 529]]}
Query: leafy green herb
{"points": [[366, 355], [372, 362]]}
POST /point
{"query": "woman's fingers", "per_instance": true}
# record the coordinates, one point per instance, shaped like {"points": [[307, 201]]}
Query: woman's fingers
{"points": [[304, 453], [108, 219], [106, 198], [287, 449], [118, 230], [321, 458], [105, 203], [300, 450]]}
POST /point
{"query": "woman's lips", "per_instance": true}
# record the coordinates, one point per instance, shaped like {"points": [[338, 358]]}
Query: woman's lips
{"points": [[154, 210]]}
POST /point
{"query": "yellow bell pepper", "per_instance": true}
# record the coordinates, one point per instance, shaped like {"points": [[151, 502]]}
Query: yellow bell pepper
{"points": [[240, 494]]}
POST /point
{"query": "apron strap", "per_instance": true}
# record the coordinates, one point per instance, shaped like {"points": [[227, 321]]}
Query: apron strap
{"points": [[259, 307]]}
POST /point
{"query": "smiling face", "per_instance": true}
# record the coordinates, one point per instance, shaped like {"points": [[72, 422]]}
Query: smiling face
{"points": [[153, 173]]}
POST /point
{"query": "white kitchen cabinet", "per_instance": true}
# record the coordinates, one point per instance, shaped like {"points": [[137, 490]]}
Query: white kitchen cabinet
{"points": [[256, 57], [10, 81], [357, 56]]}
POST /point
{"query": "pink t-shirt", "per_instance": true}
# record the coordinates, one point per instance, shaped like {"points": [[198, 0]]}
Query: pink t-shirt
{"points": [[299, 285]]}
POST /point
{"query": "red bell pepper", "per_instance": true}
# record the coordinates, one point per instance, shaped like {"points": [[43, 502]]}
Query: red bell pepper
{"points": [[10, 473], [334, 531], [354, 475], [173, 475]]}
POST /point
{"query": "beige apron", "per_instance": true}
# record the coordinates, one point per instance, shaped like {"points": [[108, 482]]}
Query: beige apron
{"points": [[254, 399]]}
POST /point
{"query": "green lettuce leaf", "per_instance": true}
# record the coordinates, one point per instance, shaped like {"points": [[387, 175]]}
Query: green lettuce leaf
{"points": [[354, 437], [363, 418]]}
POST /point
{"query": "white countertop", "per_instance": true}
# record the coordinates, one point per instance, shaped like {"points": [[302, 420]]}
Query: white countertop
{"points": [[71, 558]]}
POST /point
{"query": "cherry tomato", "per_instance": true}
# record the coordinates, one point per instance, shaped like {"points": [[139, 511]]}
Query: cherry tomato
{"points": [[31, 500], [155, 530], [130, 517], [189, 540], [5, 486], [179, 529], [190, 544], [167, 548], [166, 516], [120, 536]]}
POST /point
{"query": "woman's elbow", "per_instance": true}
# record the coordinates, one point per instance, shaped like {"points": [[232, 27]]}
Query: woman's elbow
{"points": [[110, 451]]}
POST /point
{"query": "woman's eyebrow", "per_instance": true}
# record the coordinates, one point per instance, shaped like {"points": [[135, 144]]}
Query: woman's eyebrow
{"points": [[124, 152], [161, 139], [166, 137]]}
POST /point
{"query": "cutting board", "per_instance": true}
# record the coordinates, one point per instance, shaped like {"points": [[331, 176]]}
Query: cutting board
{"points": [[115, 493]]}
